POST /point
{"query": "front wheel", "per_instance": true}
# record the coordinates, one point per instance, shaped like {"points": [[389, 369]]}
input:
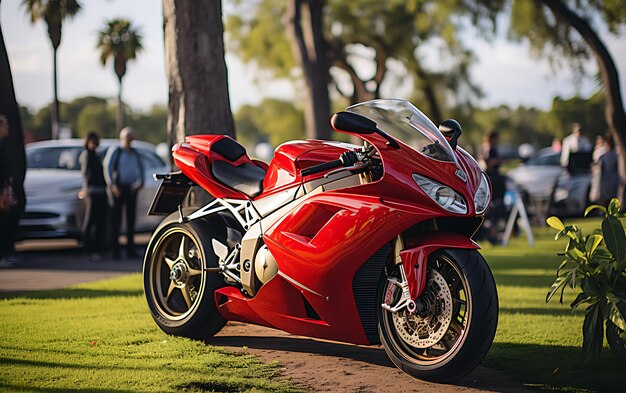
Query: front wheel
{"points": [[178, 290], [453, 329]]}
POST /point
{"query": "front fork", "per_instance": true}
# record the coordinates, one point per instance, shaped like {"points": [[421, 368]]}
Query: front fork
{"points": [[402, 284]]}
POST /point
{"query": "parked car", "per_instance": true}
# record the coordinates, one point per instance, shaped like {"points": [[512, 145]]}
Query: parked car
{"points": [[53, 181], [544, 184]]}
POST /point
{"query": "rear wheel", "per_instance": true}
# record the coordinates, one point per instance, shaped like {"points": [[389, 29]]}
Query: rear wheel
{"points": [[179, 292], [455, 327]]}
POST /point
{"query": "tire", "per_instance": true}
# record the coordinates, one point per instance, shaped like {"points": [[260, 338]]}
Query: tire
{"points": [[616, 343], [184, 305], [449, 351]]}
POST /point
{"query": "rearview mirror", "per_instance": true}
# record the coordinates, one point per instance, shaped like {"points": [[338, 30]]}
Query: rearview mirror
{"points": [[353, 122], [451, 130]]}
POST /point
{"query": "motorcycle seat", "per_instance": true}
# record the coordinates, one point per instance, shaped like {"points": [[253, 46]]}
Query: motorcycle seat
{"points": [[246, 178]]}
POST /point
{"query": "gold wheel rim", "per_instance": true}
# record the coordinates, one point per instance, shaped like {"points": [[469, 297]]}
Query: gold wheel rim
{"points": [[176, 279], [458, 329]]}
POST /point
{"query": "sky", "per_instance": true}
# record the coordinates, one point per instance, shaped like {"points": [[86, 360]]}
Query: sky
{"points": [[505, 71]]}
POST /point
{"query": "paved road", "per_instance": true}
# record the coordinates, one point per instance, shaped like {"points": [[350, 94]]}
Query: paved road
{"points": [[54, 264]]}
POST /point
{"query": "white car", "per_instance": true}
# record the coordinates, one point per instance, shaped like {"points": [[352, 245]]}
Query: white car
{"points": [[53, 181], [565, 193]]}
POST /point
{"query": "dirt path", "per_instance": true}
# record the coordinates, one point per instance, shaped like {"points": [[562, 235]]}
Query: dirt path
{"points": [[315, 365], [325, 366]]}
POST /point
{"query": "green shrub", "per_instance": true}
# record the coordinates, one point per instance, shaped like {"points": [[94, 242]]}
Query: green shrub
{"points": [[596, 264]]}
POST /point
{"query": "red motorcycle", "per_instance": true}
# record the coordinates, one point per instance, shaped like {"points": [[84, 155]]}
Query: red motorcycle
{"points": [[359, 244]]}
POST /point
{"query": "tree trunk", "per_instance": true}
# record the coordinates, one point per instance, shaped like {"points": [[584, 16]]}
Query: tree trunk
{"points": [[119, 119], [196, 70], [304, 25], [54, 113], [14, 149], [614, 110]]}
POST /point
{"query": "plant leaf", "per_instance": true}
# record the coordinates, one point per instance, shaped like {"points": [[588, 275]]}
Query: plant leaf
{"points": [[616, 316], [558, 283], [614, 238], [555, 223], [593, 332], [614, 207], [561, 266], [592, 207], [592, 243], [581, 298]]}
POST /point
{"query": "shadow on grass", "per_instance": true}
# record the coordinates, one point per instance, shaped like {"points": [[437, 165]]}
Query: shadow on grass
{"points": [[557, 367], [48, 365], [229, 386], [23, 388], [70, 293], [523, 280], [517, 260], [542, 311]]}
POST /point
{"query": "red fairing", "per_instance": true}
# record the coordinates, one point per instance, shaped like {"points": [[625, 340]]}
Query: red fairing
{"points": [[319, 247], [415, 259], [292, 157]]}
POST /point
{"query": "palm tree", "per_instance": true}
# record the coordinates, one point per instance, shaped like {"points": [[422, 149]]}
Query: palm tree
{"points": [[53, 12], [122, 42]]}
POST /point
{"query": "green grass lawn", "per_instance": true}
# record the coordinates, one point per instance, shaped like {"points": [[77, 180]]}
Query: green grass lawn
{"points": [[538, 343], [100, 337]]}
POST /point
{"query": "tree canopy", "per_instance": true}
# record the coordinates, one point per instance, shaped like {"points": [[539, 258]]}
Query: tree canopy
{"points": [[369, 44]]}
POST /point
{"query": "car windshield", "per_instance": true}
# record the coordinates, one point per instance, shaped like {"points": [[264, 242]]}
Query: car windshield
{"points": [[53, 157], [548, 159], [406, 123], [56, 157]]}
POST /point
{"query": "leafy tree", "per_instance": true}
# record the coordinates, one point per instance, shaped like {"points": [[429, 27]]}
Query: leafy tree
{"points": [[120, 41], [150, 126], [53, 12], [589, 112], [564, 31], [274, 121], [98, 117], [346, 38], [196, 70]]}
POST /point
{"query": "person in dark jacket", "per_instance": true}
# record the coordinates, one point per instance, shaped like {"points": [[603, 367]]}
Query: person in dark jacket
{"points": [[9, 213], [492, 161], [124, 174], [609, 173], [94, 194]]}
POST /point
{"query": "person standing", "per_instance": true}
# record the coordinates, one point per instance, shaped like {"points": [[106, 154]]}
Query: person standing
{"points": [[599, 150], [124, 174], [94, 194], [574, 143], [609, 173], [9, 214], [492, 161]]}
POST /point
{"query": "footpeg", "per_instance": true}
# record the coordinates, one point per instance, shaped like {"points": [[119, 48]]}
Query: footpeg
{"points": [[219, 249]]}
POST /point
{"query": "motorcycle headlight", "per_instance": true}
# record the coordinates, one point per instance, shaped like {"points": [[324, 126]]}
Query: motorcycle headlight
{"points": [[482, 196], [445, 197]]}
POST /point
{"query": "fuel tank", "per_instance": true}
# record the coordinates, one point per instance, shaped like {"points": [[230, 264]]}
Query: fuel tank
{"points": [[292, 157]]}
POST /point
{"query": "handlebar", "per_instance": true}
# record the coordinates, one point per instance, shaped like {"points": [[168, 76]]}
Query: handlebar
{"points": [[321, 167]]}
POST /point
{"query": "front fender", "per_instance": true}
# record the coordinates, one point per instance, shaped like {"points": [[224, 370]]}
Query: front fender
{"points": [[415, 259]]}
